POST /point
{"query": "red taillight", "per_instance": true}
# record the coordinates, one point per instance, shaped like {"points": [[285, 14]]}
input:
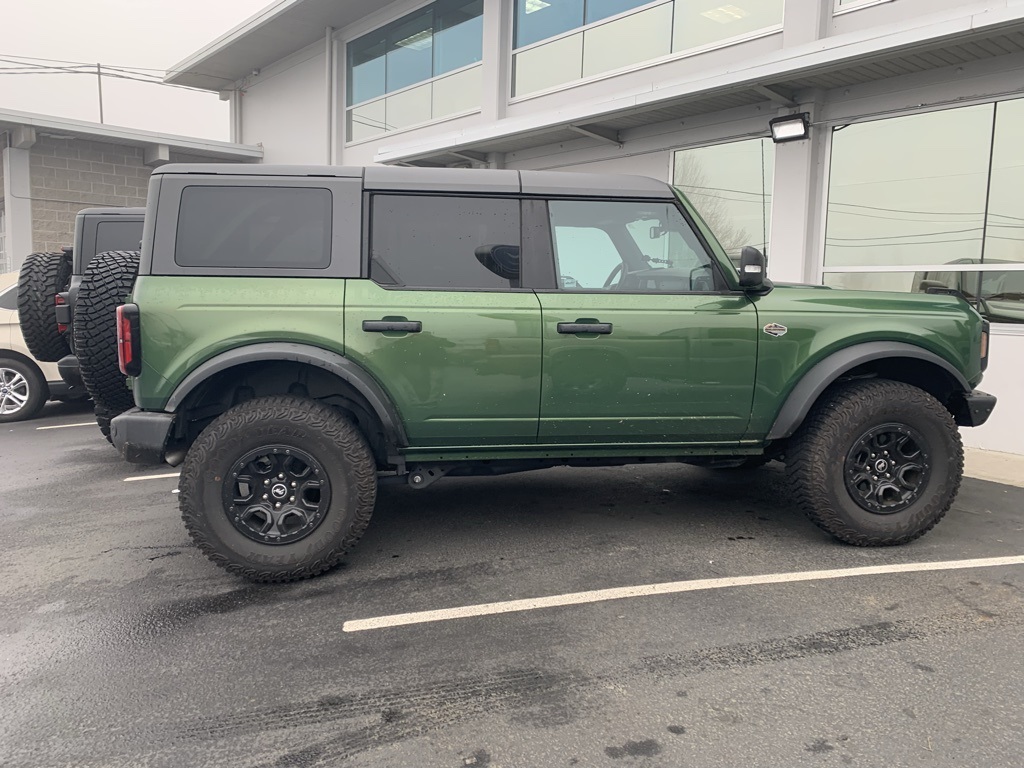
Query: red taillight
{"points": [[60, 301], [129, 350]]}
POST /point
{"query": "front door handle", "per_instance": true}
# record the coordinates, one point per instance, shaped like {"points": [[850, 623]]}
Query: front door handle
{"points": [[392, 326], [572, 328]]}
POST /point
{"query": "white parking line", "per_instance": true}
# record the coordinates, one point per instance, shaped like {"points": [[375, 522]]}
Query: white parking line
{"points": [[151, 477], [665, 588], [65, 426]]}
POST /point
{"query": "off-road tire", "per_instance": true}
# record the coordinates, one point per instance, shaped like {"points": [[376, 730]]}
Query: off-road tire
{"points": [[104, 416], [817, 459], [29, 382], [42, 276], [303, 424], [107, 283]]}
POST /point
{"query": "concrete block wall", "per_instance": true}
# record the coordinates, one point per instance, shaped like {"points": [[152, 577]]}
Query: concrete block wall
{"points": [[71, 174]]}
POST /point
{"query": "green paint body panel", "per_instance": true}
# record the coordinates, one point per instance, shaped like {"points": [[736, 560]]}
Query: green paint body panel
{"points": [[471, 376], [188, 320]]}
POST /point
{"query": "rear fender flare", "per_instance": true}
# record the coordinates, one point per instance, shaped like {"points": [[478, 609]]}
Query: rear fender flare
{"points": [[346, 370]]}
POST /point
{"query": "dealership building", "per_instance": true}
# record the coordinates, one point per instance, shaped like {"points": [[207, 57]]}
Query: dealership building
{"points": [[901, 167]]}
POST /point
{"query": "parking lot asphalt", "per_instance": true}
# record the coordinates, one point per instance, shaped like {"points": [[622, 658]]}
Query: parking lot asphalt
{"points": [[121, 646]]}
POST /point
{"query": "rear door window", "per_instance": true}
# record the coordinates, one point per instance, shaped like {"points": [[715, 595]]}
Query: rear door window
{"points": [[118, 236]]}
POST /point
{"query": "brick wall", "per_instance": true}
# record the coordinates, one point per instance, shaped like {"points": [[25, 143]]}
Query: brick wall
{"points": [[71, 174]]}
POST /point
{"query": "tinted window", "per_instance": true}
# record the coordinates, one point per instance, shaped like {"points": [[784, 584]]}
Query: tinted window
{"points": [[9, 298], [258, 227], [444, 242], [629, 247], [118, 236]]}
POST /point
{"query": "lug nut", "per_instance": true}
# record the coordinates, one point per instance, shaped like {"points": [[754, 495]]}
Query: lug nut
{"points": [[280, 476], [278, 505], [266, 482], [293, 483], [291, 498], [265, 496]]}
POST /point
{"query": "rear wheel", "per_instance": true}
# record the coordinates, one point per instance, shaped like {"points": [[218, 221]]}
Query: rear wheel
{"points": [[108, 281], [278, 489], [23, 390], [42, 276], [876, 463]]}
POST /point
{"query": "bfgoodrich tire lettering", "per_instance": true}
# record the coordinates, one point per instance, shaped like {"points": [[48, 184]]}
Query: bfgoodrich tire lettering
{"points": [[316, 430], [819, 460]]}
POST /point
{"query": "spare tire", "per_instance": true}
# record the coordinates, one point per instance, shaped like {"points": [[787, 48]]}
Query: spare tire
{"points": [[108, 281], [43, 275]]}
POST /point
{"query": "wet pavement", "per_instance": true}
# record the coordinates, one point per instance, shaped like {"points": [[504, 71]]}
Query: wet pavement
{"points": [[121, 646]]}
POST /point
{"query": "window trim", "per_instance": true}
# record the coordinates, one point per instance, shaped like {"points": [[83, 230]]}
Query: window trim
{"points": [[838, 10], [367, 238], [585, 27]]}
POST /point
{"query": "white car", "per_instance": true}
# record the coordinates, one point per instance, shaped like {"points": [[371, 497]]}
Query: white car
{"points": [[25, 383]]}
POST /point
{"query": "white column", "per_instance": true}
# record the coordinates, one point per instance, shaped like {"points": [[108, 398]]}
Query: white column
{"points": [[497, 61], [18, 205], [796, 195], [804, 21]]}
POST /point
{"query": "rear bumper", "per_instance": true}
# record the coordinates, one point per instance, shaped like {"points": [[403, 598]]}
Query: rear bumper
{"points": [[70, 370], [141, 436], [975, 409]]}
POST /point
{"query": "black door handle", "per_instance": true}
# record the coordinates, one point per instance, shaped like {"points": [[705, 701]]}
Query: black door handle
{"points": [[400, 326], [585, 328]]}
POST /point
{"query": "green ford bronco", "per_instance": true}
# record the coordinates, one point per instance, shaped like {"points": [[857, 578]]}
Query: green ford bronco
{"points": [[298, 334]]}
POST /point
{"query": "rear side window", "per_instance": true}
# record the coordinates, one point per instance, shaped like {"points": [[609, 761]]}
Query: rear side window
{"points": [[445, 242], [254, 227], [118, 236]]}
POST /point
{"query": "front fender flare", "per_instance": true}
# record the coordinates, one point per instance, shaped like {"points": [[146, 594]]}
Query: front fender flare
{"points": [[826, 371], [348, 371]]}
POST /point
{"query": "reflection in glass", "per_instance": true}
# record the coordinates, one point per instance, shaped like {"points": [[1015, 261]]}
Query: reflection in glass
{"points": [[410, 107], [410, 51], [1004, 233], [459, 36], [602, 9], [366, 66], [997, 295], [538, 20], [697, 25], [366, 121], [730, 185], [909, 190], [457, 93]]}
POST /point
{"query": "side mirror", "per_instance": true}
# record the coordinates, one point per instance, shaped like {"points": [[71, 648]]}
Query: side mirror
{"points": [[502, 260], [752, 269]]}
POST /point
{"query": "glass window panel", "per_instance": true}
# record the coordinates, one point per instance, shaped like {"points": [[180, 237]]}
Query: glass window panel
{"points": [[459, 36], [118, 236], [366, 121], [538, 20], [1004, 237], [436, 246], [366, 69], [547, 66], [9, 298], [909, 190], [629, 40], [699, 24], [630, 247], [254, 227], [409, 107], [730, 185], [410, 57], [457, 93], [602, 9]]}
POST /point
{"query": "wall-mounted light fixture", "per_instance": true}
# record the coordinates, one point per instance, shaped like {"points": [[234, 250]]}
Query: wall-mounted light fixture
{"points": [[790, 127]]}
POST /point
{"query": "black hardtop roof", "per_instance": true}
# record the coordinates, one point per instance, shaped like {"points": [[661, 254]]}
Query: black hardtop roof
{"points": [[481, 180]]}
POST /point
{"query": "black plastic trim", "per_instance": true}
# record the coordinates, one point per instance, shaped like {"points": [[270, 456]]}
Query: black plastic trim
{"points": [[395, 326], [70, 370], [141, 436], [342, 367], [975, 408], [824, 373]]}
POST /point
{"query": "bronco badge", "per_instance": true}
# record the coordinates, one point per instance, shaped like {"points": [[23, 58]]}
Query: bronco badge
{"points": [[774, 329]]}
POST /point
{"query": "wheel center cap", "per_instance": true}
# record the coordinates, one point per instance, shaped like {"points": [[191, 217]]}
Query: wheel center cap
{"points": [[881, 465], [280, 490]]}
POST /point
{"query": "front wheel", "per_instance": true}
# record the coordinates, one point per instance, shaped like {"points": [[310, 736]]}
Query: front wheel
{"points": [[876, 463], [23, 391], [278, 489]]}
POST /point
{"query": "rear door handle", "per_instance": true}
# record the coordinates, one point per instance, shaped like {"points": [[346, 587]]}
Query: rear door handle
{"points": [[585, 328], [399, 326]]}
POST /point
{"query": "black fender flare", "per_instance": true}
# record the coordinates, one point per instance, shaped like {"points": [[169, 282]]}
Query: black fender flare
{"points": [[826, 371], [342, 367]]}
